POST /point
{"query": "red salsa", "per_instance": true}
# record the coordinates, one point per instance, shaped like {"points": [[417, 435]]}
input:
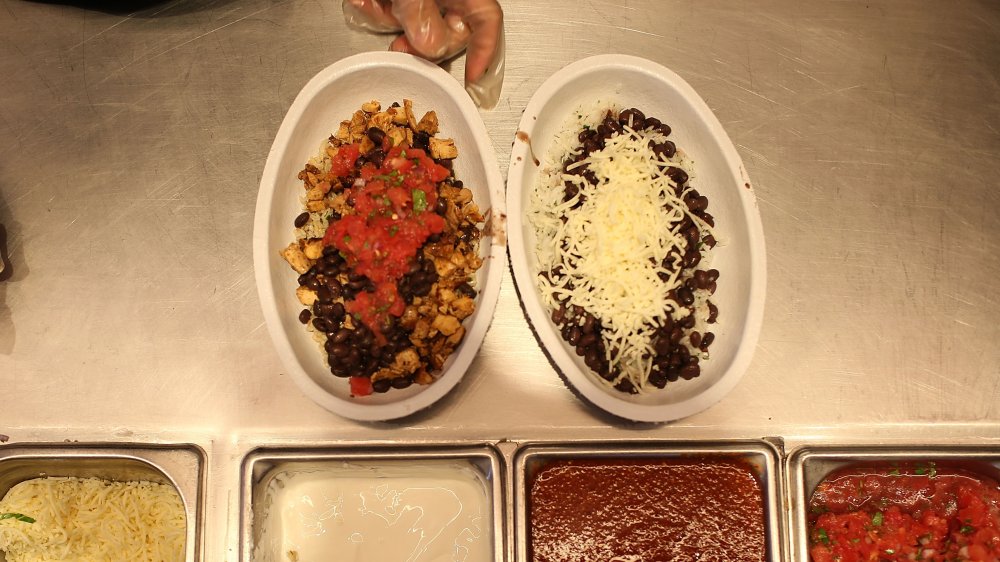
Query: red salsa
{"points": [[908, 512], [647, 510], [395, 217]]}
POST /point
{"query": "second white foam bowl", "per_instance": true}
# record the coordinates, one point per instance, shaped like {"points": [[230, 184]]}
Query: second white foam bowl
{"points": [[719, 174]]}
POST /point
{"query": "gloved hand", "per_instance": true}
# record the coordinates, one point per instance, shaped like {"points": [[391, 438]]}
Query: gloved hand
{"points": [[440, 29]]}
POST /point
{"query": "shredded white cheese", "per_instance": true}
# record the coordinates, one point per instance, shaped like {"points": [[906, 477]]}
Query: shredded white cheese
{"points": [[609, 250], [93, 520]]}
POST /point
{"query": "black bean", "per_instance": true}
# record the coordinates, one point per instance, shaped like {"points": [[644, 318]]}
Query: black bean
{"points": [[305, 315], [673, 374], [558, 315], [339, 312], [323, 294], [376, 135], [713, 312], [565, 331], [466, 290], [711, 288], [401, 382], [713, 274], [323, 309], [692, 258], [339, 369], [421, 140], [301, 220], [662, 345], [690, 371], [679, 176], [353, 357], [626, 386], [382, 385], [651, 123], [377, 157], [612, 124], [676, 334], [687, 323], [707, 341], [695, 338], [684, 296], [313, 282], [360, 162], [341, 336], [588, 339], [574, 335], [658, 378], [591, 359], [663, 129]]}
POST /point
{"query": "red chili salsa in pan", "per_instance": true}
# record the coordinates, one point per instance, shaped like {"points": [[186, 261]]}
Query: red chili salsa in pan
{"points": [[907, 512], [646, 510]]}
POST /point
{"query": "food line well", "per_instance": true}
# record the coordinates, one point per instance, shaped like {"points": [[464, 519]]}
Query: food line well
{"points": [[133, 144]]}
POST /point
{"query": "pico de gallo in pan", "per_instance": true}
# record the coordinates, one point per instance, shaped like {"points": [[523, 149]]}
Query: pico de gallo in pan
{"points": [[918, 511]]}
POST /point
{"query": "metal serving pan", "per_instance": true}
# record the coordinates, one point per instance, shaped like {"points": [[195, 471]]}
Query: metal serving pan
{"points": [[807, 466], [180, 466], [261, 465], [763, 456]]}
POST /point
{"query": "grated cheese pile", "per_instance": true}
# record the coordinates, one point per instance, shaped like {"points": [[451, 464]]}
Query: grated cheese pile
{"points": [[89, 519], [608, 251]]}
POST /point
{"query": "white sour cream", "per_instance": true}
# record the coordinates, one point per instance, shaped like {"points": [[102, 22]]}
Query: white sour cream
{"points": [[388, 511]]}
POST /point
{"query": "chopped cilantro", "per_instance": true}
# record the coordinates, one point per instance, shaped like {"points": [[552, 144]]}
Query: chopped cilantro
{"points": [[967, 529], [895, 472], [822, 537], [17, 516], [890, 551], [877, 519], [393, 230], [347, 239], [419, 201], [930, 469]]}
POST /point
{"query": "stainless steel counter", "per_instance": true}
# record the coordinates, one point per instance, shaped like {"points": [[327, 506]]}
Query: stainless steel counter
{"points": [[132, 143]]}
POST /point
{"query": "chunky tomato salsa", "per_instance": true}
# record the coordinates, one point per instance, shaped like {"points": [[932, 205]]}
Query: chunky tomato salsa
{"points": [[394, 205], [908, 512]]}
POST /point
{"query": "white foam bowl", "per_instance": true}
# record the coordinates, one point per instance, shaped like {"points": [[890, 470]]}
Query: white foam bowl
{"points": [[719, 174], [330, 97]]}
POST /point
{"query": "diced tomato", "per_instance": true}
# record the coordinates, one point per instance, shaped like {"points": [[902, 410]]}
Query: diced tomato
{"points": [[343, 162], [907, 513], [361, 386]]}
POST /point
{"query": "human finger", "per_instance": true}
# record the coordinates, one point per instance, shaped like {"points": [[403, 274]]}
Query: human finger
{"points": [[371, 15], [427, 33], [485, 58], [453, 43]]}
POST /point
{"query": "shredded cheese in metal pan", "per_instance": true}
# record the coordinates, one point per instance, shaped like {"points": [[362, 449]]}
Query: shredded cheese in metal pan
{"points": [[92, 520]]}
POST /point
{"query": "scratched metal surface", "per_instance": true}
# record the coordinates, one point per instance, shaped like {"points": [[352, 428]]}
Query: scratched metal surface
{"points": [[132, 141]]}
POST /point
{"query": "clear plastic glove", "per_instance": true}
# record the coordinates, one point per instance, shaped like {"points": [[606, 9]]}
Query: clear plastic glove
{"points": [[440, 29]]}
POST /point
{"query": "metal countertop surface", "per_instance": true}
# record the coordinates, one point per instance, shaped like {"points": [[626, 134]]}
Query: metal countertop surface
{"points": [[132, 143]]}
